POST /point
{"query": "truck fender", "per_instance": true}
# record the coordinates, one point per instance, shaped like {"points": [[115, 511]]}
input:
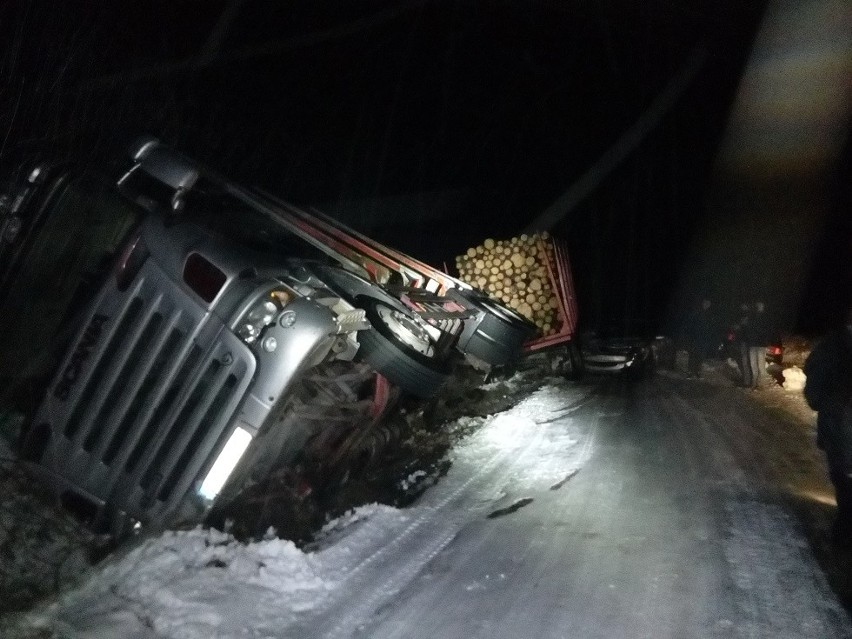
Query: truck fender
{"points": [[301, 337]]}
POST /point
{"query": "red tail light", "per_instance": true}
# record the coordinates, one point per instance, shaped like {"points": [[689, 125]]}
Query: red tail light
{"points": [[774, 350]]}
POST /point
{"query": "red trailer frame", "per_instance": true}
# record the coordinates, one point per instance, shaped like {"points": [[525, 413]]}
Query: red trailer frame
{"points": [[381, 261], [562, 283]]}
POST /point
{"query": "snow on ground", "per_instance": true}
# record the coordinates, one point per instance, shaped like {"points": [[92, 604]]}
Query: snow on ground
{"points": [[674, 486], [780, 389], [203, 583], [794, 379]]}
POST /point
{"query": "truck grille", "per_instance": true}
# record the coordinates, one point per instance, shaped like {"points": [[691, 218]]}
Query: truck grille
{"points": [[153, 404]]}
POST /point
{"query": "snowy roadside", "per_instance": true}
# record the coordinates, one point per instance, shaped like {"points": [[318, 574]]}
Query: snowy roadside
{"points": [[45, 551], [203, 583], [780, 390]]}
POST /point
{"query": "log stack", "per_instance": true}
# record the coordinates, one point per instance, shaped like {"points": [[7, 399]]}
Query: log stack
{"points": [[516, 273]]}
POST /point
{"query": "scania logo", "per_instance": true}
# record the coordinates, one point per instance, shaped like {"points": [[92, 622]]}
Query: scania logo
{"points": [[84, 349]]}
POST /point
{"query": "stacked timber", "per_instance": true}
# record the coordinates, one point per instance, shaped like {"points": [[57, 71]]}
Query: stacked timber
{"points": [[516, 273]]}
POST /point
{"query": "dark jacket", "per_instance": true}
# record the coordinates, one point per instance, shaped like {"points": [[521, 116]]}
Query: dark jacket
{"points": [[759, 330], [828, 390], [698, 330]]}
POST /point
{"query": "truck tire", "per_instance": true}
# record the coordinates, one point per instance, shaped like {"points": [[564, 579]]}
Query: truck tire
{"points": [[399, 351], [506, 314], [500, 333], [575, 361]]}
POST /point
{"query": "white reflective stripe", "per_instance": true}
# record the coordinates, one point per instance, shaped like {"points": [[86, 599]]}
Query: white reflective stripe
{"points": [[225, 463]]}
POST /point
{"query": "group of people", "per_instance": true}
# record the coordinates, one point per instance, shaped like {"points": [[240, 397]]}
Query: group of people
{"points": [[828, 389], [749, 335]]}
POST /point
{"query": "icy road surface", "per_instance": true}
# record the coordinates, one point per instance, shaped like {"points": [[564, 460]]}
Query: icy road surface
{"points": [[655, 509]]}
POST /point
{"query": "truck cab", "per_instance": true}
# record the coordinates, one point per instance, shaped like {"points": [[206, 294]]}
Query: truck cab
{"points": [[150, 346], [171, 326]]}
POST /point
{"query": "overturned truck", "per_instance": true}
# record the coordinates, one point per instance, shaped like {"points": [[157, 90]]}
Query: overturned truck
{"points": [[169, 337]]}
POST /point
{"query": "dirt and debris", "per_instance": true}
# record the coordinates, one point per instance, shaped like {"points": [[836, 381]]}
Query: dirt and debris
{"points": [[43, 549], [508, 510], [417, 439]]}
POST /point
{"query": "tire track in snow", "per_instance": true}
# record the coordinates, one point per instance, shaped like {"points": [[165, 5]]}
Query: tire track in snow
{"points": [[406, 555], [398, 563]]}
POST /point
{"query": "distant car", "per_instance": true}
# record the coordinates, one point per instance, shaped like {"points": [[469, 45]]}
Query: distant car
{"points": [[627, 356]]}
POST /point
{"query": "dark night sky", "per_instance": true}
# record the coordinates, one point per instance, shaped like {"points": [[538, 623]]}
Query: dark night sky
{"points": [[483, 111]]}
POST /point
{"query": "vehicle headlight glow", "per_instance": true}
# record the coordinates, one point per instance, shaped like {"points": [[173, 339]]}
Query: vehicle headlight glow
{"points": [[225, 463]]}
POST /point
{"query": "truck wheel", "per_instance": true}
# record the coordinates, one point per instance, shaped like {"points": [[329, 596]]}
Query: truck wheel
{"points": [[500, 334], [575, 361], [506, 314], [401, 350]]}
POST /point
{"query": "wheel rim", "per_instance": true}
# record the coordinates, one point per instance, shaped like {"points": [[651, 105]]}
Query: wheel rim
{"points": [[406, 329], [506, 312], [502, 311]]}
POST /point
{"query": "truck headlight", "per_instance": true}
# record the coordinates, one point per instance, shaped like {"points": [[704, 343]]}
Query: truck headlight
{"points": [[262, 314], [225, 463]]}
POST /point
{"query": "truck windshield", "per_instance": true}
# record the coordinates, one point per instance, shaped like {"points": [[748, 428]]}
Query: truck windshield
{"points": [[210, 206], [228, 216]]}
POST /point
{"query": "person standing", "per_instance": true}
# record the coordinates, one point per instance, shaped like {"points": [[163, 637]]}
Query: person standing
{"points": [[742, 330], [758, 337], [698, 334], [828, 390]]}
